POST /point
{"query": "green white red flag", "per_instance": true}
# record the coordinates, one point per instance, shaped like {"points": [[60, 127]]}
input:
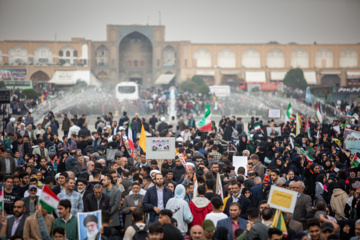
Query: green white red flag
{"points": [[130, 137], [2, 200], [289, 116], [205, 123], [318, 114], [48, 199], [257, 127], [307, 126], [309, 159]]}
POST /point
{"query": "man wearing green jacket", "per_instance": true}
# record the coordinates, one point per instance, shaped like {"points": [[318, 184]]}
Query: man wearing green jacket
{"points": [[66, 220]]}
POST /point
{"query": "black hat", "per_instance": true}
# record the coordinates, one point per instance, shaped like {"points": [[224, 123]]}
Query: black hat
{"points": [[83, 180], [90, 218]]}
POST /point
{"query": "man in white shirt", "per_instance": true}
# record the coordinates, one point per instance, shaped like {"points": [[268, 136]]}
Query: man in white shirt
{"points": [[217, 214], [73, 129]]}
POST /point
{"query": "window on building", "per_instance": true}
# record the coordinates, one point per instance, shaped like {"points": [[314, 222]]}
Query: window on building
{"points": [[61, 53], [129, 63], [68, 53], [135, 63], [75, 53]]}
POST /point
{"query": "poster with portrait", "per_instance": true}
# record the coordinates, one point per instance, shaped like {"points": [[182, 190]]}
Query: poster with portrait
{"points": [[160, 147], [89, 224], [352, 140], [273, 131]]}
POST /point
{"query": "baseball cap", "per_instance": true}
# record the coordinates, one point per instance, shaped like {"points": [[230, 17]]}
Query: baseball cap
{"points": [[208, 225], [32, 186], [8, 150], [327, 226]]}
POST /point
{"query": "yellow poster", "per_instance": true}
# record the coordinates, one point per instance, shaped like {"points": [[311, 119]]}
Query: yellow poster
{"points": [[281, 198]]}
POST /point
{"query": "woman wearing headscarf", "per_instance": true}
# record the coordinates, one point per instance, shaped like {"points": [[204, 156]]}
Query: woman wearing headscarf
{"points": [[319, 186], [310, 175], [124, 151]]}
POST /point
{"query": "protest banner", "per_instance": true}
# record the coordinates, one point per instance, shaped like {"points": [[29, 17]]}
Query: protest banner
{"points": [[352, 140], [282, 199]]}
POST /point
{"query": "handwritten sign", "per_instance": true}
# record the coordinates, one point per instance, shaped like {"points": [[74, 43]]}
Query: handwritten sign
{"points": [[282, 199], [352, 140], [274, 113]]}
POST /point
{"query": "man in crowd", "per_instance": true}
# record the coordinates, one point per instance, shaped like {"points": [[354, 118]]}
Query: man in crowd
{"points": [[75, 198]]}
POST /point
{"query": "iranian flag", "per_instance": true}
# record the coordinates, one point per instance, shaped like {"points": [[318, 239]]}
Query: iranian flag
{"points": [[219, 188], [2, 200], [130, 137], [249, 138], [309, 159], [257, 127], [356, 161], [318, 114], [289, 116], [205, 123], [48, 199]]}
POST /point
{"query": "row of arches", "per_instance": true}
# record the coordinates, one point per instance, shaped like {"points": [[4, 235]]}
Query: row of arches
{"points": [[275, 58], [43, 55]]}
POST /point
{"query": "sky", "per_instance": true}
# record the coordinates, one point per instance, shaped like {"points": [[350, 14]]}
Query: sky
{"points": [[198, 21]]}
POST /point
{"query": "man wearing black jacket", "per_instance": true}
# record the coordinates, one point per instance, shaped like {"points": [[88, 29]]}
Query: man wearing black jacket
{"points": [[97, 201]]}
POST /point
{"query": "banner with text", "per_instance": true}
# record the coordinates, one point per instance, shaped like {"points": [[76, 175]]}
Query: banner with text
{"points": [[6, 74], [352, 140]]}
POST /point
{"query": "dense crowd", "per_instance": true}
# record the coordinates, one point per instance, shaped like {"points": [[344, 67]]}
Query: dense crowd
{"points": [[142, 199]]}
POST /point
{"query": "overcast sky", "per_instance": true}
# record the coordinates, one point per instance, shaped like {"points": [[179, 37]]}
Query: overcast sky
{"points": [[200, 21]]}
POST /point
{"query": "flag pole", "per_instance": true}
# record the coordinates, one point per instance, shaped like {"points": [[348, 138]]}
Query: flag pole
{"points": [[2, 200]]}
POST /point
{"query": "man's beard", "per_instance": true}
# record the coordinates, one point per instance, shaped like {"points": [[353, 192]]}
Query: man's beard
{"points": [[81, 190], [92, 235]]}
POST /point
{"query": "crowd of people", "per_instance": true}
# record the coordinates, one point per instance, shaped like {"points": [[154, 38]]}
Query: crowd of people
{"points": [[142, 199]]}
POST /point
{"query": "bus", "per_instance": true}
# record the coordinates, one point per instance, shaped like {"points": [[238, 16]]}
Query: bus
{"points": [[127, 91]]}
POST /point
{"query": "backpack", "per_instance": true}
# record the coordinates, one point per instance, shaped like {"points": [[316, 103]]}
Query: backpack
{"points": [[52, 150], [140, 234]]}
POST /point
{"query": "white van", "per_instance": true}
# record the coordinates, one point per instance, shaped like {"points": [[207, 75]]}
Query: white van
{"points": [[127, 91]]}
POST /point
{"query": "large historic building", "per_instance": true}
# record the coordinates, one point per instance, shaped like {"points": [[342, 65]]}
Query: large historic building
{"points": [[142, 54]]}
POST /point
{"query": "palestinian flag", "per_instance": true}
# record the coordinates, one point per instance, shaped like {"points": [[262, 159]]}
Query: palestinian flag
{"points": [[309, 159], [318, 114], [205, 123], [279, 223], [48, 199], [289, 116], [130, 137], [257, 128], [2, 199], [356, 161]]}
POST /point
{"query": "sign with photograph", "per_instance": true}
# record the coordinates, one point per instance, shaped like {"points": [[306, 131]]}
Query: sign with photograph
{"points": [[89, 224], [282, 199], [7, 74], [273, 131], [160, 148]]}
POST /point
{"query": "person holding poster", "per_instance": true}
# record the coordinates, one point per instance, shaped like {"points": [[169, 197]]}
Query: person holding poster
{"points": [[89, 225]]}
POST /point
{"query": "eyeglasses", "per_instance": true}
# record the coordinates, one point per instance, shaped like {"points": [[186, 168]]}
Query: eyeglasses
{"points": [[33, 190]]}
